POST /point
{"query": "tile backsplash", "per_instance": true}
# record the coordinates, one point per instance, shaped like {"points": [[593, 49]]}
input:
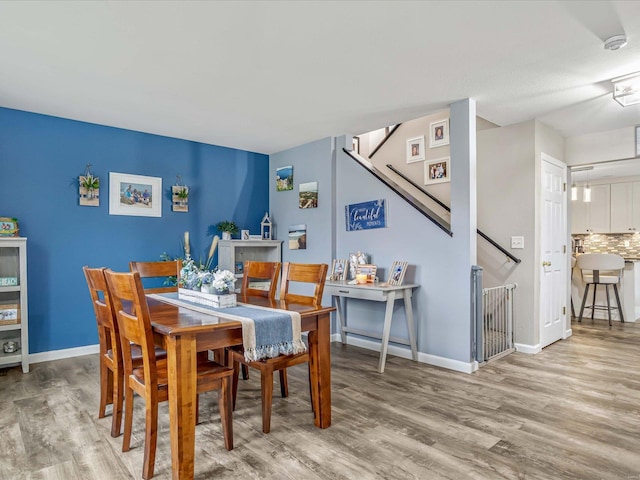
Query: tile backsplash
{"points": [[612, 243]]}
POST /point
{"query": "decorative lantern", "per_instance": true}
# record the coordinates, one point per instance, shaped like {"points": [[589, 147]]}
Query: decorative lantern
{"points": [[266, 227]]}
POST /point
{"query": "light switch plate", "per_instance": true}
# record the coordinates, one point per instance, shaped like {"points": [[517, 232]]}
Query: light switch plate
{"points": [[517, 242]]}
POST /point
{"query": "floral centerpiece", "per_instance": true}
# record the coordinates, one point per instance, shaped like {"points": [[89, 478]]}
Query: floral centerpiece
{"points": [[223, 282]]}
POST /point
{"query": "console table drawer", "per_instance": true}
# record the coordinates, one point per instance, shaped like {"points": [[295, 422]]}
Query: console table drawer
{"points": [[346, 291]]}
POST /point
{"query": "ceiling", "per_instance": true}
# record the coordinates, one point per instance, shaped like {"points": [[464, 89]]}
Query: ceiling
{"points": [[266, 76]]}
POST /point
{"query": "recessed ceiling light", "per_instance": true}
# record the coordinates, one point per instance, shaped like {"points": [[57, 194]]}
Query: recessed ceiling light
{"points": [[615, 42]]}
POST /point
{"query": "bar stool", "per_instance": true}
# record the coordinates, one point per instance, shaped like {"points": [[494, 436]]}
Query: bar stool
{"points": [[601, 269]]}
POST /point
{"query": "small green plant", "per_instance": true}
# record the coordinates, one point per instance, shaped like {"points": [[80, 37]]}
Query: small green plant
{"points": [[228, 226], [90, 182], [183, 193]]}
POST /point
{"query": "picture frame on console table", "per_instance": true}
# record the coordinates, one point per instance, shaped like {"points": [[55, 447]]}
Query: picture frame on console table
{"points": [[338, 270], [397, 273]]}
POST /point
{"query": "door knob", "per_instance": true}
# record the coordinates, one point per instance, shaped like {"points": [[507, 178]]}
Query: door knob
{"points": [[546, 264]]}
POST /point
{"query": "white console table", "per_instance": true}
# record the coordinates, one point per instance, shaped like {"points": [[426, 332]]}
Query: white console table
{"points": [[377, 292]]}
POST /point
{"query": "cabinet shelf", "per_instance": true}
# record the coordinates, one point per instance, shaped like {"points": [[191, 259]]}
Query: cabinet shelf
{"points": [[233, 252], [13, 263]]}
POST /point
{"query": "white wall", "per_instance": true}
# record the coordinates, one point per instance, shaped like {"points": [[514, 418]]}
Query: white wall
{"points": [[600, 146]]}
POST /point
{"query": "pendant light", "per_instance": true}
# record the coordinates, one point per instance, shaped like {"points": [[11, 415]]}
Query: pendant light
{"points": [[574, 192], [587, 191]]}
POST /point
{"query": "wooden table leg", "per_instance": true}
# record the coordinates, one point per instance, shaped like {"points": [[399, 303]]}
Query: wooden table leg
{"points": [[386, 329], [320, 371], [181, 363], [408, 310]]}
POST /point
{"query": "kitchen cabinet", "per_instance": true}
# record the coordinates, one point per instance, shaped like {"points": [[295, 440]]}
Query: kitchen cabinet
{"points": [[593, 216], [625, 207], [14, 315]]}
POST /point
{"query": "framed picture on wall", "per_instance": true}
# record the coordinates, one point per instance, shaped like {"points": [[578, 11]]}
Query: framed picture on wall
{"points": [[439, 133], [135, 195], [415, 149], [437, 171]]}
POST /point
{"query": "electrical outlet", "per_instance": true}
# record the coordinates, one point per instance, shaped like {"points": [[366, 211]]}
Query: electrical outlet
{"points": [[517, 242]]}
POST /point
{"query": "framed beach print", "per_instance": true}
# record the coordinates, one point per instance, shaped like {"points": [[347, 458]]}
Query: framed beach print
{"points": [[284, 178], [135, 195], [396, 275], [338, 270], [415, 149], [437, 171], [439, 133]]}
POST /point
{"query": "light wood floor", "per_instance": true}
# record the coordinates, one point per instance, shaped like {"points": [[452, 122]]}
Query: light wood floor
{"points": [[570, 412]]}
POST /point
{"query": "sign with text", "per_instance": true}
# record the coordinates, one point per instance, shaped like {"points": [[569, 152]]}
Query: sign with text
{"points": [[366, 215]]}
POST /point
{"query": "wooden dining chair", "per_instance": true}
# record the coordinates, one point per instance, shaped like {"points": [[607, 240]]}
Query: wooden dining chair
{"points": [[150, 380], [256, 275], [167, 270], [293, 273], [111, 369]]}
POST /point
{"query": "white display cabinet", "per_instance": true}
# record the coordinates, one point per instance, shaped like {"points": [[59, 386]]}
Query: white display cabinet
{"points": [[233, 253], [14, 314]]}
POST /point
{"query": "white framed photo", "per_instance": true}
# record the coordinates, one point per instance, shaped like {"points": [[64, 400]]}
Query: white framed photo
{"points": [[397, 273], [415, 149], [135, 195], [338, 270], [439, 133], [437, 171]]}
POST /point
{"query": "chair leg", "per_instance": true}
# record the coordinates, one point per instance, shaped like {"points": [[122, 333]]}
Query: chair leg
{"points": [[150, 439], [245, 372], [284, 383], [593, 303], [106, 388], [234, 383], [226, 411], [118, 397], [266, 379], [584, 301], [615, 290], [128, 419], [197, 408], [606, 289]]}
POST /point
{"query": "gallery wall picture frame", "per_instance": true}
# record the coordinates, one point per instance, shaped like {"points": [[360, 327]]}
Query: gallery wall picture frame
{"points": [[439, 133], [437, 171], [136, 195], [415, 149], [308, 195], [397, 273], [284, 178], [338, 270]]}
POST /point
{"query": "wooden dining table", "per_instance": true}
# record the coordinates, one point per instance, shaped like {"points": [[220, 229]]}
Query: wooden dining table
{"points": [[184, 332]]}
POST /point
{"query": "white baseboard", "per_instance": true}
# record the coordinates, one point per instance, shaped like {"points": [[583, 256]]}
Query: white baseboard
{"points": [[64, 353], [524, 348], [405, 352]]}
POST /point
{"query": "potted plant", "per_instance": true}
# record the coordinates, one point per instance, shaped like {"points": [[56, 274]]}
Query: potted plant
{"points": [[90, 183], [227, 228], [183, 195]]}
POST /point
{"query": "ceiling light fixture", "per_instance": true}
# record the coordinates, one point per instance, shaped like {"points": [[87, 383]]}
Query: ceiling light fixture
{"points": [[574, 192], [616, 42], [626, 89]]}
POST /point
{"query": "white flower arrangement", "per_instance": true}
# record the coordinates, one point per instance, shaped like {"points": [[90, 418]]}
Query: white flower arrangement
{"points": [[223, 281]]}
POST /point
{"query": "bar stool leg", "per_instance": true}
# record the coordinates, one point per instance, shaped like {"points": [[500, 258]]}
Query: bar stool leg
{"points": [[615, 290], [584, 301], [593, 304], [606, 289]]}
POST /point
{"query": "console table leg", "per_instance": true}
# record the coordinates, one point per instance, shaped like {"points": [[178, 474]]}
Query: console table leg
{"points": [[341, 318], [386, 329], [412, 334]]}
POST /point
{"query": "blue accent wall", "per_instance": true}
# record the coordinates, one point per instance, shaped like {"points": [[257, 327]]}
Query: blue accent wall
{"points": [[41, 158]]}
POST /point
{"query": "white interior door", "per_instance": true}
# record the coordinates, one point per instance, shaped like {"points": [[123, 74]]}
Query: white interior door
{"points": [[553, 268]]}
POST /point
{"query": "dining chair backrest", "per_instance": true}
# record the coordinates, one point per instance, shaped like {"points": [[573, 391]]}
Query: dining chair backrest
{"points": [[601, 263], [134, 321], [311, 273], [103, 309], [260, 272], [169, 271]]}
